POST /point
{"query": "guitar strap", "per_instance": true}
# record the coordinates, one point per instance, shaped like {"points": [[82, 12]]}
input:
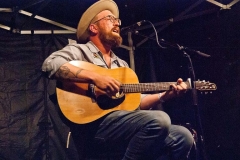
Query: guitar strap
{"points": [[117, 63]]}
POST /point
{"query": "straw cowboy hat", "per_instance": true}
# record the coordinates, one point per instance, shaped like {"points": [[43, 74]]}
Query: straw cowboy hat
{"points": [[90, 13]]}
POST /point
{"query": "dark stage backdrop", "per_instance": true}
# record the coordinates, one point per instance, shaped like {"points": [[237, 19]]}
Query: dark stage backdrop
{"points": [[32, 127], [30, 124]]}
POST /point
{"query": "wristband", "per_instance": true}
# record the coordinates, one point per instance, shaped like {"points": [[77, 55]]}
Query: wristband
{"points": [[160, 98]]}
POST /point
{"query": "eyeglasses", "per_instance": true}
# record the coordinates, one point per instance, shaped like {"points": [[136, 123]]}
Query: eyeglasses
{"points": [[111, 18]]}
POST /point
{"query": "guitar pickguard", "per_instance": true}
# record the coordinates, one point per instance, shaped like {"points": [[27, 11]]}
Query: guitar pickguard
{"points": [[105, 102]]}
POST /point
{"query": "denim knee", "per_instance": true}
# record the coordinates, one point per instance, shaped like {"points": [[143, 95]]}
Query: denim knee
{"points": [[159, 120], [180, 140], [186, 136]]}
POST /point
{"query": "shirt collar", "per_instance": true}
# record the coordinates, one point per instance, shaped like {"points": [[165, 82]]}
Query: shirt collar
{"points": [[94, 49]]}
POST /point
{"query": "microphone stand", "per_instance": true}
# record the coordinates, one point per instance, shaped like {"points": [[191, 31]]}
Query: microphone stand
{"points": [[130, 48], [199, 147], [201, 144], [131, 52]]}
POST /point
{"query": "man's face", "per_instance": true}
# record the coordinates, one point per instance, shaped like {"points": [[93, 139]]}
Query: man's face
{"points": [[109, 29]]}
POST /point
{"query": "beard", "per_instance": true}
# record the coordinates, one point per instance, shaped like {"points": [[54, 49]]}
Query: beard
{"points": [[109, 38]]}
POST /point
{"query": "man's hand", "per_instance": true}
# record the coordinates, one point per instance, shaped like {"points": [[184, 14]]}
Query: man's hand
{"points": [[175, 90], [153, 100], [179, 88], [108, 84]]}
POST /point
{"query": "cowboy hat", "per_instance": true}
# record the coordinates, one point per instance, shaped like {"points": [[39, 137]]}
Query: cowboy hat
{"points": [[90, 13]]}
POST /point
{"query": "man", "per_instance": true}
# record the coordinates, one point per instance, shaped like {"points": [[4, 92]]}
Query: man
{"points": [[133, 135]]}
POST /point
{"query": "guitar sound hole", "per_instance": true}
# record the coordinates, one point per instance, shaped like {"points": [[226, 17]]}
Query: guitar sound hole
{"points": [[105, 102]]}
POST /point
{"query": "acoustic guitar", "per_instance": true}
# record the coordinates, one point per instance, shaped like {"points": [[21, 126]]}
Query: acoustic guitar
{"points": [[79, 104]]}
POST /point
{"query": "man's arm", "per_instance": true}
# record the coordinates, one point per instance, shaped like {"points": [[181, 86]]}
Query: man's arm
{"points": [[70, 72]]}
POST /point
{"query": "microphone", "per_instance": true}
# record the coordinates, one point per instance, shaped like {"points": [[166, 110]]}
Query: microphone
{"points": [[132, 28], [198, 52], [202, 54]]}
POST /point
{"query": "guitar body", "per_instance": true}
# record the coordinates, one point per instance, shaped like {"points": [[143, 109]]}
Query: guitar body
{"points": [[76, 104]]}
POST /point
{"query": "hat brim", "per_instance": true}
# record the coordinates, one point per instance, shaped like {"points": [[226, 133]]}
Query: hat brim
{"points": [[90, 13]]}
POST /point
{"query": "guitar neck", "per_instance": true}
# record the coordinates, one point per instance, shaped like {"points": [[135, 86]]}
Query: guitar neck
{"points": [[148, 87]]}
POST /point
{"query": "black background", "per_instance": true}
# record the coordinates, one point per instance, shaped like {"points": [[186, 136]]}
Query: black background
{"points": [[30, 125]]}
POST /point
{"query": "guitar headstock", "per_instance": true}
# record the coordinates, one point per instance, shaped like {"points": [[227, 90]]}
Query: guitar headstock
{"points": [[205, 86]]}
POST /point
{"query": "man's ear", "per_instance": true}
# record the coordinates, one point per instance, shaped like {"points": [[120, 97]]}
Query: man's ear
{"points": [[93, 28]]}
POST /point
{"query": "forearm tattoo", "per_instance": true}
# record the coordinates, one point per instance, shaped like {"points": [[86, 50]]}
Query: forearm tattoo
{"points": [[65, 73]]}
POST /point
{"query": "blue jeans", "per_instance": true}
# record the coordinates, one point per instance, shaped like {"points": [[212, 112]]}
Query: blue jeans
{"points": [[139, 135]]}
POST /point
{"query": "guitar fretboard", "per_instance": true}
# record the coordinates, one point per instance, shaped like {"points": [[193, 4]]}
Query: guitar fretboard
{"points": [[146, 87]]}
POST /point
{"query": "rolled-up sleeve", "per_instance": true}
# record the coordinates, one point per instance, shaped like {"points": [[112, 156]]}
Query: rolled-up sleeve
{"points": [[51, 65], [58, 58]]}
